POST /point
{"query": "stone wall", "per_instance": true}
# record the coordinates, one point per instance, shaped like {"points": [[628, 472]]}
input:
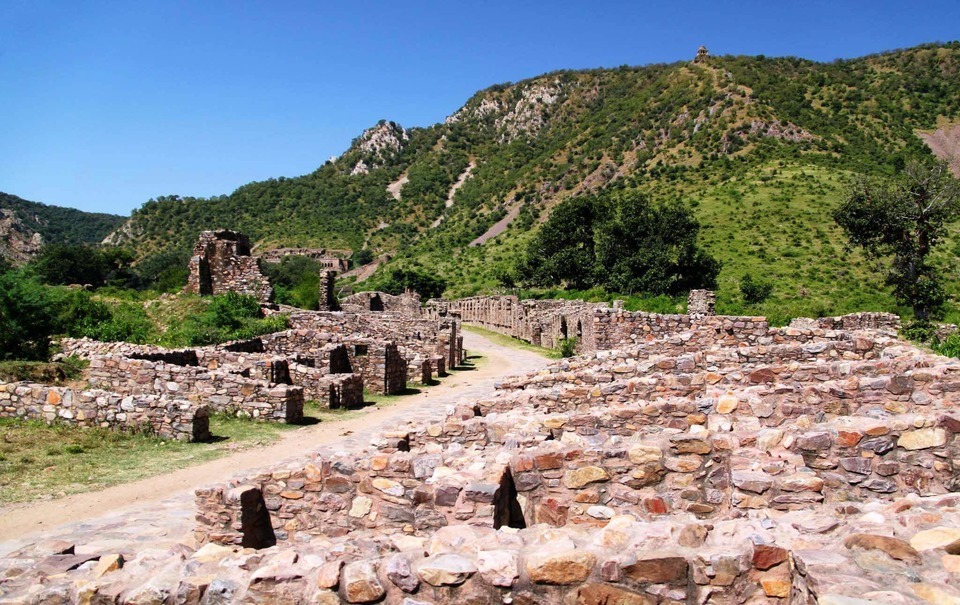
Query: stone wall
{"points": [[221, 391], [221, 263], [362, 302], [326, 378], [165, 417], [700, 303], [328, 296]]}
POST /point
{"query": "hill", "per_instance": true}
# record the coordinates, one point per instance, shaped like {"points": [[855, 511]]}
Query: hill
{"points": [[25, 226], [760, 147]]}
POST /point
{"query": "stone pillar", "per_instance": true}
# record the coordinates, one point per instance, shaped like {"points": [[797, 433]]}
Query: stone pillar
{"points": [[700, 304], [328, 298]]}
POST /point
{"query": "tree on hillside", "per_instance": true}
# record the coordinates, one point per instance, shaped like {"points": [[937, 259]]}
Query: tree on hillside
{"points": [[903, 220], [563, 250], [621, 241]]}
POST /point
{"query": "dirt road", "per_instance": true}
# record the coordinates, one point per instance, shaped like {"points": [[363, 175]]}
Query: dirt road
{"points": [[163, 505]]}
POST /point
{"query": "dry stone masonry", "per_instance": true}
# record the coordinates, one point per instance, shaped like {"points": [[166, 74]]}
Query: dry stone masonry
{"points": [[161, 415], [690, 458], [221, 263]]}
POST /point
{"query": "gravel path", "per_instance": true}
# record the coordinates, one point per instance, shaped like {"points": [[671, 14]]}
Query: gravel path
{"points": [[160, 509]]}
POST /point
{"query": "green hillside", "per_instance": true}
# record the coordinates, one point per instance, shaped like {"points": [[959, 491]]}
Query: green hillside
{"points": [[760, 147], [61, 225]]}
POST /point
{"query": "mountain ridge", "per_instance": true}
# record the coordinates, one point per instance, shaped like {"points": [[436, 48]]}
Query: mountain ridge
{"points": [[753, 137]]}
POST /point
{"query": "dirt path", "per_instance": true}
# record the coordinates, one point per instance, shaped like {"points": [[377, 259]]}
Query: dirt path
{"points": [[165, 503]]}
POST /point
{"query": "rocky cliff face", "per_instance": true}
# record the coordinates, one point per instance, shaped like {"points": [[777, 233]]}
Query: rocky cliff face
{"points": [[18, 244]]}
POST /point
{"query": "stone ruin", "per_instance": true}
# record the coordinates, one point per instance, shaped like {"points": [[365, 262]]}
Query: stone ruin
{"points": [[221, 263], [678, 460], [337, 261]]}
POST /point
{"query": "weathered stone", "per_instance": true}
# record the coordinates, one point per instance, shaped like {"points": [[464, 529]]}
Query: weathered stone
{"points": [[561, 567], [398, 570], [605, 594], [583, 476], [445, 569], [894, 547], [499, 567], [360, 584], [938, 537], [922, 439], [658, 569], [108, 563]]}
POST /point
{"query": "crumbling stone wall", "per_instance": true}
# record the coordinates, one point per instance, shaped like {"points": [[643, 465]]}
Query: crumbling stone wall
{"points": [[328, 295], [219, 390], [326, 378], [221, 263], [163, 416], [700, 303], [407, 303]]}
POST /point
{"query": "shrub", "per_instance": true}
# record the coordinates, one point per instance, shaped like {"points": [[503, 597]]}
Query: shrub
{"points": [[568, 347], [755, 292]]}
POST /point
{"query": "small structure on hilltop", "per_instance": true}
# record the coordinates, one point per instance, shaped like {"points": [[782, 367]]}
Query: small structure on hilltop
{"points": [[702, 55], [221, 263]]}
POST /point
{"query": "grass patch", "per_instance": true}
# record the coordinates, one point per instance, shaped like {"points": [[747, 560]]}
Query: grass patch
{"points": [[514, 343], [40, 462], [71, 368]]}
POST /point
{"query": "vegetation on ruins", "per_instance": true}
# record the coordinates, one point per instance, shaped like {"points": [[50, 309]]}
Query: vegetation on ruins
{"points": [[620, 241], [32, 313], [903, 220], [295, 281]]}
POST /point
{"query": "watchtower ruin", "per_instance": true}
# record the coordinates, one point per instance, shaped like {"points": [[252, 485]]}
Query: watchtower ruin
{"points": [[221, 263]]}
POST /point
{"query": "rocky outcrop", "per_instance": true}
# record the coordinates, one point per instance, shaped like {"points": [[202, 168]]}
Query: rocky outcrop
{"points": [[17, 243]]}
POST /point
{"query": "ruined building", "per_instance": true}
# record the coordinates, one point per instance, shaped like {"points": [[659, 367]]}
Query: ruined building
{"points": [[221, 263]]}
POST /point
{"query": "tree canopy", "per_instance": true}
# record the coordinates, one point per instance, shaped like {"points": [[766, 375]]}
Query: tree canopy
{"points": [[620, 241], [903, 219]]}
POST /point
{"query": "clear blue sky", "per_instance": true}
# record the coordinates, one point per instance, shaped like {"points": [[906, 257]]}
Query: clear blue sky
{"points": [[104, 105]]}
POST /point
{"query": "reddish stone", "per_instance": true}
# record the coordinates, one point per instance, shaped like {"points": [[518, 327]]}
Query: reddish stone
{"points": [[521, 464], [848, 438], [658, 570], [549, 461], [765, 556], [762, 375], [655, 505], [552, 512]]}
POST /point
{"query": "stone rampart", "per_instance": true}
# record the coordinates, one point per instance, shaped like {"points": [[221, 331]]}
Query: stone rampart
{"points": [[165, 417]]}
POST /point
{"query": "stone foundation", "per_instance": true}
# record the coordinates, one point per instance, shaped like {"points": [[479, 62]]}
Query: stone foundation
{"points": [[162, 416]]}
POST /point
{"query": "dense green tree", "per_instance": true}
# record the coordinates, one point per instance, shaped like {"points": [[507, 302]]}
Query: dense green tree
{"points": [[62, 264], [903, 220], [622, 242], [755, 291], [361, 257], [295, 281], [563, 252], [650, 248], [421, 282], [166, 271], [27, 319]]}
